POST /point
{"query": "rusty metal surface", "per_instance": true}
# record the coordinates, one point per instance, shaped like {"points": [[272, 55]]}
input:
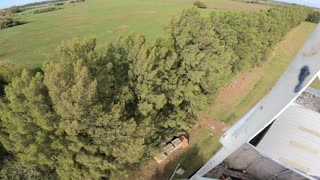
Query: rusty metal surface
{"points": [[309, 100]]}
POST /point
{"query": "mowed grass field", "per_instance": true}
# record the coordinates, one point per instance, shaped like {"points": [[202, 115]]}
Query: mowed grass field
{"points": [[231, 104], [31, 43]]}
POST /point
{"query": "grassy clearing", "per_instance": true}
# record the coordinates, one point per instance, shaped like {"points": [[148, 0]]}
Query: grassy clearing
{"points": [[232, 103], [104, 19]]}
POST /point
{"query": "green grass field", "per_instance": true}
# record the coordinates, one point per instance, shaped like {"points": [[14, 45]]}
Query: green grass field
{"points": [[31, 43], [232, 103]]}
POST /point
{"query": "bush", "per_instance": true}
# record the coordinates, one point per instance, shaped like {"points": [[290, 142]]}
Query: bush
{"points": [[200, 4], [15, 9], [77, 1], [59, 4], [8, 21], [314, 17], [45, 10]]}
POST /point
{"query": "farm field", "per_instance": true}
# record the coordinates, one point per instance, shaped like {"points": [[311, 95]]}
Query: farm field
{"points": [[31, 43], [231, 104]]}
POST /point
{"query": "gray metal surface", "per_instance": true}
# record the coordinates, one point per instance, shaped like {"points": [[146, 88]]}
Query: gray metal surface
{"points": [[278, 99], [294, 139]]}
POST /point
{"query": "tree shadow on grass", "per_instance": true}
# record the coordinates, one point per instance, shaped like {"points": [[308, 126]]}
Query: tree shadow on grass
{"points": [[190, 161]]}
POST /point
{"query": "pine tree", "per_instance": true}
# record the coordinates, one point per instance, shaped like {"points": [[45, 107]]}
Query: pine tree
{"points": [[8, 71], [202, 63], [27, 120]]}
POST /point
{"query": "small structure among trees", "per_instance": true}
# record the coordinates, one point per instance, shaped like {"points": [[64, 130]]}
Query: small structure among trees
{"points": [[170, 147]]}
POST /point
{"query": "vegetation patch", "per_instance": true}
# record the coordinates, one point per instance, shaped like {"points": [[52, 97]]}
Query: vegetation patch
{"points": [[229, 118], [8, 21], [44, 10], [59, 4], [77, 1], [314, 17], [41, 3], [200, 4]]}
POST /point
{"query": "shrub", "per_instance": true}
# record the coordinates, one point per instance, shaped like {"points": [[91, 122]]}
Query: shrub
{"points": [[15, 9], [59, 4], [45, 10], [8, 21], [200, 4], [77, 1], [314, 17]]}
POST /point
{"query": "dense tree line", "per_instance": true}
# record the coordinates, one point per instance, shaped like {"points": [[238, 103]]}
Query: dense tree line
{"points": [[92, 113], [41, 3], [251, 36]]}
